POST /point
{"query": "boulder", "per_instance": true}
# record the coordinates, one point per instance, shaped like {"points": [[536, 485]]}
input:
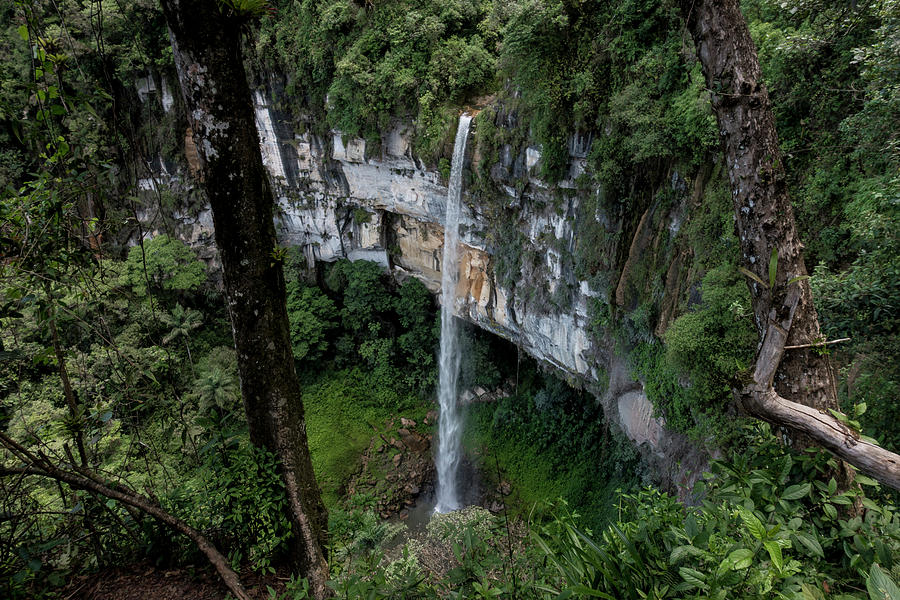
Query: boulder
{"points": [[415, 442]]}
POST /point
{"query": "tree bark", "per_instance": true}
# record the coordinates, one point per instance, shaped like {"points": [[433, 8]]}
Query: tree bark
{"points": [[793, 389], [207, 50]]}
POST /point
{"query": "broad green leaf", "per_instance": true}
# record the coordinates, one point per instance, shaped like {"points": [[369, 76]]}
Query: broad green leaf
{"points": [[682, 551], [753, 524], [839, 416], [795, 492], [695, 578], [741, 558], [880, 586], [584, 590], [774, 550], [811, 543], [863, 480], [807, 592]]}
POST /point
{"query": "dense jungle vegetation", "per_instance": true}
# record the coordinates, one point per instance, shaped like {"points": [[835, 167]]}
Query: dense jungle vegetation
{"points": [[117, 357]]}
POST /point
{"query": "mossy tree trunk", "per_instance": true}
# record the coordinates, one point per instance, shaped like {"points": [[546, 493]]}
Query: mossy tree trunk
{"points": [[793, 388], [206, 41]]}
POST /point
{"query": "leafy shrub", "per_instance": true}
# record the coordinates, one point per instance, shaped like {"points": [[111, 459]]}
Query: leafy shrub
{"points": [[766, 526], [163, 264], [365, 295], [390, 59], [239, 497], [418, 342], [312, 317], [711, 344], [549, 440]]}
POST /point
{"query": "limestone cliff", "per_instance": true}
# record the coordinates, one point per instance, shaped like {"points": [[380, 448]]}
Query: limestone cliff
{"points": [[338, 198]]}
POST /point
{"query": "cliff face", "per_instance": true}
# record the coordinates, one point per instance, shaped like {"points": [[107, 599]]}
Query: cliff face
{"points": [[338, 198]]}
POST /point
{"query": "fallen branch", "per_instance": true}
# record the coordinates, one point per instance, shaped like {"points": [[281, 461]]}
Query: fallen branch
{"points": [[761, 400], [83, 479], [831, 434], [817, 344]]}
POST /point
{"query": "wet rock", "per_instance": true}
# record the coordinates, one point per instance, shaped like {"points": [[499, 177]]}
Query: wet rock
{"points": [[504, 488], [403, 431], [431, 417], [479, 391], [496, 507], [404, 514], [407, 422], [415, 442], [397, 460]]}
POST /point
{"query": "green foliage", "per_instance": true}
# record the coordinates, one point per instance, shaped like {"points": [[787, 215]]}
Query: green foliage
{"points": [[342, 407], [312, 317], [766, 526], [238, 492], [163, 264], [358, 531], [389, 59], [711, 344], [216, 386], [363, 286], [392, 332], [862, 301], [481, 366], [508, 254], [416, 313], [548, 440], [864, 298], [592, 66], [246, 8]]}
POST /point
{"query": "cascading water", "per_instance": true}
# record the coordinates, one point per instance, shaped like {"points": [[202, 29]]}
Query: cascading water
{"points": [[450, 422]]}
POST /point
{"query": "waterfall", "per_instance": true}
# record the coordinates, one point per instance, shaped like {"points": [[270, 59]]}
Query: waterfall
{"points": [[450, 422]]}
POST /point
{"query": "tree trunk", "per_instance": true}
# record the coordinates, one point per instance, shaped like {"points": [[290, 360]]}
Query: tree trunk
{"points": [[207, 49], [793, 388]]}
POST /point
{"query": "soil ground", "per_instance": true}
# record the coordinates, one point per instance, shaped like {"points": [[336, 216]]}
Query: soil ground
{"points": [[146, 582]]}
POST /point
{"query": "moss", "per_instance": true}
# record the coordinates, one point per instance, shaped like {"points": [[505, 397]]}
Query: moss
{"points": [[361, 216], [550, 441]]}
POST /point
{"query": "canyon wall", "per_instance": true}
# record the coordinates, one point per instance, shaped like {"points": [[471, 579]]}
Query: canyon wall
{"points": [[339, 198]]}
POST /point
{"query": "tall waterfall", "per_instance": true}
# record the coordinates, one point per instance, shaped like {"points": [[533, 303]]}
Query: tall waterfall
{"points": [[450, 422]]}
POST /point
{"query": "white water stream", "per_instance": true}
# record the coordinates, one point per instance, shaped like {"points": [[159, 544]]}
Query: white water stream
{"points": [[450, 423]]}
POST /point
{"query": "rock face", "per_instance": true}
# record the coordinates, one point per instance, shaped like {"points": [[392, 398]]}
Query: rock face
{"points": [[339, 199]]}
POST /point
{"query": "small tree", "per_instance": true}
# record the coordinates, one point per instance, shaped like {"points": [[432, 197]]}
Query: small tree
{"points": [[181, 322]]}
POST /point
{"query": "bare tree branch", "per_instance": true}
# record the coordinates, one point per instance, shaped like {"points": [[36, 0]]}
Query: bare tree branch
{"points": [[83, 479]]}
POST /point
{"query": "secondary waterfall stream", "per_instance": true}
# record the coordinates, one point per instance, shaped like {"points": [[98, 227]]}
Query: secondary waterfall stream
{"points": [[450, 422]]}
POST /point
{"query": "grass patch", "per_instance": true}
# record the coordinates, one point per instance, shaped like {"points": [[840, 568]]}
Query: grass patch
{"points": [[343, 410]]}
